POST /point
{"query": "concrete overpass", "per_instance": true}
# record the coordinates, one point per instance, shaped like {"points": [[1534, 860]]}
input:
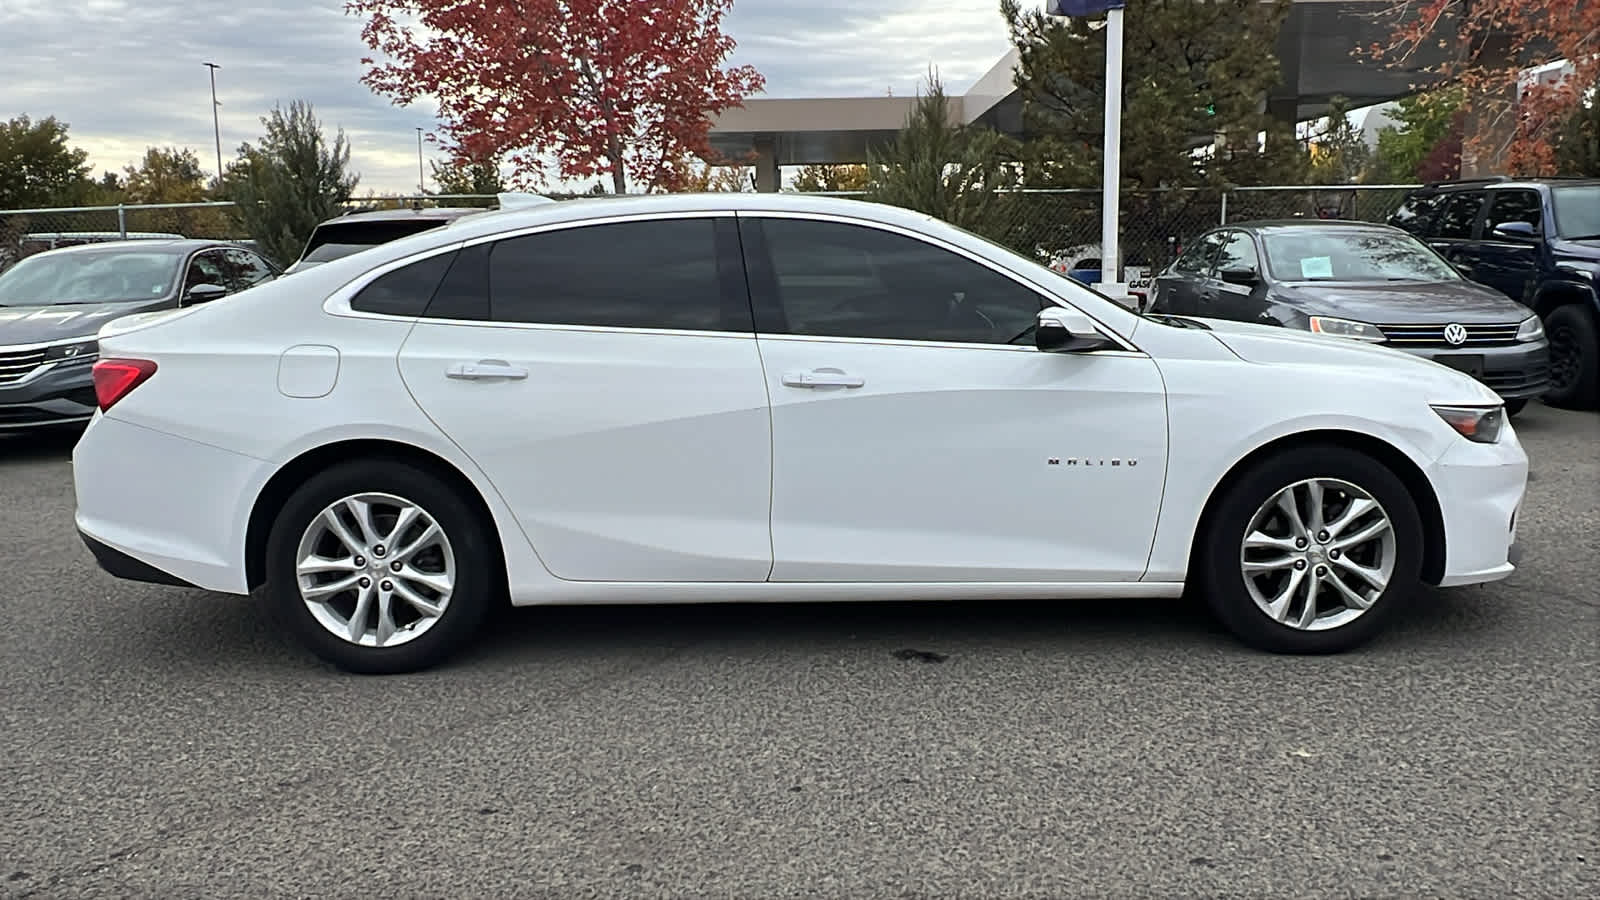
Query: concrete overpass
{"points": [[1314, 49]]}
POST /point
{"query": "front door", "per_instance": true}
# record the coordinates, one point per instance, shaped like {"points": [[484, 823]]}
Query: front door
{"points": [[1510, 265], [1185, 284], [614, 396], [918, 435], [1234, 301]]}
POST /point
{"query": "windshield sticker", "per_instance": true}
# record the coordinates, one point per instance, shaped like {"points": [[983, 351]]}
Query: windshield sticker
{"points": [[1316, 267]]}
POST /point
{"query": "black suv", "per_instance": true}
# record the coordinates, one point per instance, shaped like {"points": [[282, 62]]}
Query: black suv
{"points": [[1537, 241]]}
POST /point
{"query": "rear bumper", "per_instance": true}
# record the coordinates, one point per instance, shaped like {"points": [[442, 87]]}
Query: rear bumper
{"points": [[1519, 372], [62, 394], [120, 564]]}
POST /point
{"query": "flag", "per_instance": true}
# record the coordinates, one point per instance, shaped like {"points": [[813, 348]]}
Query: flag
{"points": [[1080, 8]]}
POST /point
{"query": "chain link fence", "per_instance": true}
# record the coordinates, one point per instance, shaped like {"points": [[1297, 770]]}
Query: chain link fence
{"points": [[1058, 227]]}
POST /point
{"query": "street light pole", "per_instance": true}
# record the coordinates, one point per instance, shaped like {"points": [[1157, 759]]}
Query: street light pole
{"points": [[422, 181], [216, 122]]}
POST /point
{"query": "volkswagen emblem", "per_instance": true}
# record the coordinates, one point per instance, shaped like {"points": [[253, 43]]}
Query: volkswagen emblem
{"points": [[1455, 335]]}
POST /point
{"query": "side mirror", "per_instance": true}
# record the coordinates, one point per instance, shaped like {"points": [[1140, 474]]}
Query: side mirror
{"points": [[1522, 231], [1246, 277], [1068, 331], [202, 293]]}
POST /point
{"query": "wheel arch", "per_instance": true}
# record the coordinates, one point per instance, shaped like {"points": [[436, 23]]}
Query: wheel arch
{"points": [[276, 492], [1553, 294], [1409, 473]]}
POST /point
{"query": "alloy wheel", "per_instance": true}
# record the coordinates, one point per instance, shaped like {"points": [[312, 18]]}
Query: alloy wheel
{"points": [[375, 570], [1318, 554]]}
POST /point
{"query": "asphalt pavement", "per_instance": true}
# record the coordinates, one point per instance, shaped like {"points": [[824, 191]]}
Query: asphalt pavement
{"points": [[167, 743]]}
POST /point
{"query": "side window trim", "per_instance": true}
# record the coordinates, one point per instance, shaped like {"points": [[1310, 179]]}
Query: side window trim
{"points": [[768, 309]]}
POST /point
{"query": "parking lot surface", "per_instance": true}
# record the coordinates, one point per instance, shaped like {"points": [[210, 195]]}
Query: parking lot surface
{"points": [[159, 742]]}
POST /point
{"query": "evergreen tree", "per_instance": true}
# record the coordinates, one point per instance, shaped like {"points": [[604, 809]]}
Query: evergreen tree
{"points": [[293, 180], [1579, 150]]}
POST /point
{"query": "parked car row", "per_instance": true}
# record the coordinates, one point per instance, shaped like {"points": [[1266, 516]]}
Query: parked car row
{"points": [[1495, 278]]}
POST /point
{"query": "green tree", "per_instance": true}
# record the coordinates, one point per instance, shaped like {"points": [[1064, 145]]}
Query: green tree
{"points": [[166, 175], [948, 170], [38, 167], [1579, 150], [1194, 75], [831, 178], [1425, 140], [461, 176], [1339, 155], [289, 182]]}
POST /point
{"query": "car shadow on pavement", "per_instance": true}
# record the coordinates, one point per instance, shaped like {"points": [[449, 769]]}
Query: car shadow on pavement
{"points": [[41, 445]]}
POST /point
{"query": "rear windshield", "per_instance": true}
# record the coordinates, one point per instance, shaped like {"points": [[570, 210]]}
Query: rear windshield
{"points": [[340, 239]]}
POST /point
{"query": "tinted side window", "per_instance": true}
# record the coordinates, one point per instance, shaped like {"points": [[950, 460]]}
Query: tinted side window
{"points": [[1515, 206], [838, 280], [1239, 253], [658, 274], [244, 269], [1197, 260], [464, 292], [204, 269], [1460, 213], [1417, 213], [404, 291]]}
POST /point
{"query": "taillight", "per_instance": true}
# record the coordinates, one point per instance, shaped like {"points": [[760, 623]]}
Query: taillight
{"points": [[115, 378]]}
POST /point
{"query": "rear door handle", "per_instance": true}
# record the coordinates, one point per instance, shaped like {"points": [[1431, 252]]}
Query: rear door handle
{"points": [[485, 369], [822, 378]]}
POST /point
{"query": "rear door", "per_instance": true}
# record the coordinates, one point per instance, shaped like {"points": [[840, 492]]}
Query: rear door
{"points": [[1456, 230], [1511, 264], [605, 377]]}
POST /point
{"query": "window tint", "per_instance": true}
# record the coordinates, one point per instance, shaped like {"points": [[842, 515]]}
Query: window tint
{"points": [[1197, 260], [660, 274], [838, 280], [243, 269], [464, 292], [404, 291], [1417, 213], [205, 268], [1515, 206], [1239, 253], [1460, 213]]}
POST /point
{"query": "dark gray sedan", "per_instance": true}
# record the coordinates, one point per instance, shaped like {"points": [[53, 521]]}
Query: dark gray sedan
{"points": [[1365, 282]]}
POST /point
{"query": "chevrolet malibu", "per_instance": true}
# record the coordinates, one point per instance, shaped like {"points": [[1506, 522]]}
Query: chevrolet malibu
{"points": [[768, 398]]}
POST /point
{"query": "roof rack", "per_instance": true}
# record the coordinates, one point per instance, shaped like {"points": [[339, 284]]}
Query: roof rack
{"points": [[1488, 179]]}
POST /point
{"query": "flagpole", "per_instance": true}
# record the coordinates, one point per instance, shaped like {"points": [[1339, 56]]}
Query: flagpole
{"points": [[1111, 283]]}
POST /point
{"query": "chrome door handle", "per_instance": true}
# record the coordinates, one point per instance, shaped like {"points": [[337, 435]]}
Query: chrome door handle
{"points": [[822, 378], [485, 368]]}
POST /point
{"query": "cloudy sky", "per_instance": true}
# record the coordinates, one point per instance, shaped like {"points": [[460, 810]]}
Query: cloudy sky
{"points": [[127, 75]]}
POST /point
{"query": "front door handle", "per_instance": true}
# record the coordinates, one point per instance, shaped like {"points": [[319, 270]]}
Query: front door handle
{"points": [[484, 369], [822, 378]]}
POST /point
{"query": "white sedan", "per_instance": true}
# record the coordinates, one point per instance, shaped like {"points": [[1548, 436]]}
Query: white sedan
{"points": [[701, 398]]}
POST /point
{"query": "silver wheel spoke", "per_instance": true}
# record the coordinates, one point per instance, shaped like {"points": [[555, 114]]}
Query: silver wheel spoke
{"points": [[1291, 510], [1357, 508], [317, 592], [402, 524], [1308, 613], [386, 626], [1260, 540], [356, 629], [1314, 498], [1257, 566], [336, 527], [362, 510], [1352, 597], [425, 539], [1369, 575], [1365, 534], [439, 584], [418, 602], [321, 565], [1279, 607]]}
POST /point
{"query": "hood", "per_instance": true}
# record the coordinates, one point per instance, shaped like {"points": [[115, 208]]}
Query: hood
{"points": [[1407, 302], [1274, 346], [1584, 254], [22, 325]]}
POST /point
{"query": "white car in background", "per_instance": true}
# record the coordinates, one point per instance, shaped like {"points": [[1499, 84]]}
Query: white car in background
{"points": [[725, 397]]}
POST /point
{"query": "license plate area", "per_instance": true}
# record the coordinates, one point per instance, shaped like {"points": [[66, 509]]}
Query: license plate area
{"points": [[1472, 364]]}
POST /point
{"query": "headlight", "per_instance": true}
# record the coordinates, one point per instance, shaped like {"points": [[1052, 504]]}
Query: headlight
{"points": [[1475, 423], [1532, 329], [82, 350], [1361, 331]]}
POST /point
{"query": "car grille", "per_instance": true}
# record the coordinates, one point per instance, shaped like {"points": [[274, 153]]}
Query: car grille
{"points": [[1433, 335], [16, 364]]}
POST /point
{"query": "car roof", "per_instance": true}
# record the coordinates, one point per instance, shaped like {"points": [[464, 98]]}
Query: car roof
{"points": [[1319, 224], [1503, 181], [405, 215], [175, 247]]}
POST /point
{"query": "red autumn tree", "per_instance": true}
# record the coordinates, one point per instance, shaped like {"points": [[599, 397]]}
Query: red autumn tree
{"points": [[625, 87], [1486, 44]]}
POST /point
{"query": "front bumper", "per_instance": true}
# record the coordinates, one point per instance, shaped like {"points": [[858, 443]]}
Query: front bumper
{"points": [[1481, 489], [1518, 372], [62, 393]]}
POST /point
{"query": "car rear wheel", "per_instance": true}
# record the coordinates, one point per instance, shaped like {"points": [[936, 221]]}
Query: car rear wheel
{"points": [[1574, 357], [379, 567], [1311, 551]]}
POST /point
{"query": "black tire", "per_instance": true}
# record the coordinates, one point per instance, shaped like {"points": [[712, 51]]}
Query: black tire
{"points": [[1574, 357], [1515, 406], [1218, 548], [472, 546]]}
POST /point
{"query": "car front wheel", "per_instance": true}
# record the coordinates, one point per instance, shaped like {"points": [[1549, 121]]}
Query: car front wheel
{"points": [[1574, 357], [379, 567], [1311, 551]]}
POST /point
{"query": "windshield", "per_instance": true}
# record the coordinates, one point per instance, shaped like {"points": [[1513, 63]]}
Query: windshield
{"points": [[98, 277], [1341, 254], [1577, 209], [337, 240]]}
